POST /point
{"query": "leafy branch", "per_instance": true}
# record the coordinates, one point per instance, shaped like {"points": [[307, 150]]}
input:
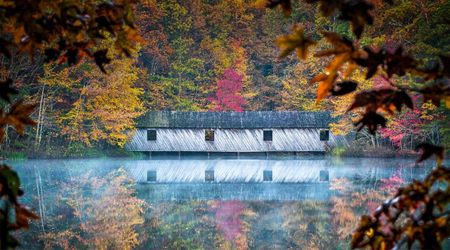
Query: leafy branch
{"points": [[417, 212]]}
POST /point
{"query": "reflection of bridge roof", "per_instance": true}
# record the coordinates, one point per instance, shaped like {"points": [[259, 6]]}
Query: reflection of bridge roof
{"points": [[236, 120]]}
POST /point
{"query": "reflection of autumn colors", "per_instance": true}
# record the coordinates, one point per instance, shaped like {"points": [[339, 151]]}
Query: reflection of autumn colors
{"points": [[354, 199], [228, 218], [307, 224], [103, 212], [107, 212]]}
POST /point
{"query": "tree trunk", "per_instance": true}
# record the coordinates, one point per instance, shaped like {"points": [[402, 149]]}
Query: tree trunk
{"points": [[38, 136]]}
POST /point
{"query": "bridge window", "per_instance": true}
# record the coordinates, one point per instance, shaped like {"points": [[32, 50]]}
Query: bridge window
{"points": [[209, 135], [324, 175], [267, 135], [324, 135], [267, 175], [151, 135], [209, 175], [151, 175]]}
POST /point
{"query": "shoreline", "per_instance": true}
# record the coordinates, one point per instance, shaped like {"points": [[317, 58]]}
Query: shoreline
{"points": [[141, 157]]}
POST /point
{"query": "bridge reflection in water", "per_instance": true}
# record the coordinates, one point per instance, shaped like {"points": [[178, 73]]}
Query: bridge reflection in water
{"points": [[245, 179]]}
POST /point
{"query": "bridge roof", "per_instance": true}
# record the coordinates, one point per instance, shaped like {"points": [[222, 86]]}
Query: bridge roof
{"points": [[235, 120]]}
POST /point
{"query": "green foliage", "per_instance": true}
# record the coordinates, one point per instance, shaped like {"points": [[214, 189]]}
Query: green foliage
{"points": [[79, 150], [16, 156], [338, 151], [430, 30]]}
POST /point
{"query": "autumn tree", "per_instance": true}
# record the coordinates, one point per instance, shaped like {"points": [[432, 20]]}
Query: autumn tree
{"points": [[406, 129], [97, 107], [228, 96]]}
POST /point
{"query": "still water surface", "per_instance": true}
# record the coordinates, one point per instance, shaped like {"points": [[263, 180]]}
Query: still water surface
{"points": [[310, 203]]}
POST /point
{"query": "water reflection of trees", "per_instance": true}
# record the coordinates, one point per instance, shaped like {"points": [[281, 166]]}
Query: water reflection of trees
{"points": [[354, 198], [307, 224], [180, 225], [100, 212], [104, 212]]}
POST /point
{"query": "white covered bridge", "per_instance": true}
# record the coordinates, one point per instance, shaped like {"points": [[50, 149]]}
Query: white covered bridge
{"points": [[237, 132]]}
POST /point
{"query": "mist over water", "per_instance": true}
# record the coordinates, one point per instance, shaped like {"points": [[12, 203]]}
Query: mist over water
{"points": [[236, 205]]}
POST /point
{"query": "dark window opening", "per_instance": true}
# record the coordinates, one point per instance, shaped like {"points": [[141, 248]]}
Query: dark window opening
{"points": [[324, 135], [151, 175], [267, 135], [209, 175], [151, 135], [267, 175], [324, 175], [209, 135]]}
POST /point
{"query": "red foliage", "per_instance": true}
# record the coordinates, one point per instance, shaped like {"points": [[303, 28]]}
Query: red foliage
{"points": [[380, 82], [372, 206], [393, 183], [228, 218], [228, 94], [405, 125]]}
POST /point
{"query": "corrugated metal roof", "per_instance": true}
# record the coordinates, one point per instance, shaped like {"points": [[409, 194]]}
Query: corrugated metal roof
{"points": [[236, 120]]}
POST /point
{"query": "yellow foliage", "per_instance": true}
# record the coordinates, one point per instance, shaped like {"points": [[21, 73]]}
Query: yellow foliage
{"points": [[298, 93], [339, 105], [106, 104], [108, 219]]}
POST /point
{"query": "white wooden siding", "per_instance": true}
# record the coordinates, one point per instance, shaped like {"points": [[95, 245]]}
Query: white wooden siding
{"points": [[231, 140]]}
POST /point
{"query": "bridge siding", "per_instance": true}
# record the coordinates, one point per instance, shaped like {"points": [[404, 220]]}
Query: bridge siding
{"points": [[232, 140]]}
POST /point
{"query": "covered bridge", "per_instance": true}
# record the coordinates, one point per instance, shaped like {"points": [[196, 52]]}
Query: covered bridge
{"points": [[246, 132]]}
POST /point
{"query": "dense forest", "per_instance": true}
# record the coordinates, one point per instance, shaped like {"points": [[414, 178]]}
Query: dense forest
{"points": [[218, 56], [76, 76]]}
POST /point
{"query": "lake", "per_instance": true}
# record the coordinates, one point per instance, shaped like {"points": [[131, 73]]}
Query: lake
{"points": [[309, 203]]}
